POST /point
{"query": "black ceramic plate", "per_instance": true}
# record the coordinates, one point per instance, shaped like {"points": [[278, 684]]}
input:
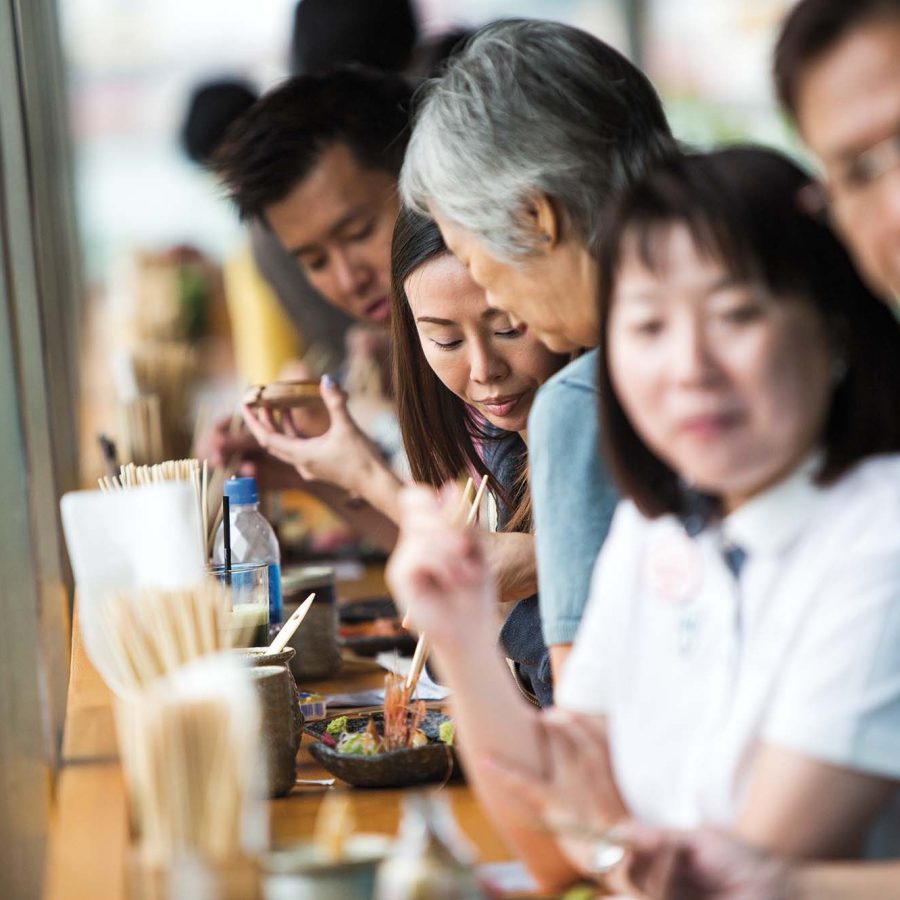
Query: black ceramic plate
{"points": [[434, 762]]}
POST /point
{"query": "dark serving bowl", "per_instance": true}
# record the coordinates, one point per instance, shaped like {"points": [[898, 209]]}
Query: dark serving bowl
{"points": [[433, 762]]}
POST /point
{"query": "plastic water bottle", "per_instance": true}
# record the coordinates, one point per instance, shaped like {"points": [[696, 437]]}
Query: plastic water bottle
{"points": [[252, 539]]}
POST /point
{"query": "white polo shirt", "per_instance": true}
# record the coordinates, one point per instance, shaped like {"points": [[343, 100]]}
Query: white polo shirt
{"points": [[695, 667]]}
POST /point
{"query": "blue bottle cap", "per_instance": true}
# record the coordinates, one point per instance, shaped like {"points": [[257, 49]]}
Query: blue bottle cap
{"points": [[241, 490]]}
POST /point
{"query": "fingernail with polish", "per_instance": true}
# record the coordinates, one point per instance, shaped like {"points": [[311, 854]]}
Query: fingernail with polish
{"points": [[329, 381]]}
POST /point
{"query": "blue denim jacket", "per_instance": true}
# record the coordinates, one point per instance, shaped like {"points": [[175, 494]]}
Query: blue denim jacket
{"points": [[571, 492]]}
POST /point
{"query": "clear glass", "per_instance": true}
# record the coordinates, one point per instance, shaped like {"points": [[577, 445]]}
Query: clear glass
{"points": [[248, 588], [253, 541]]}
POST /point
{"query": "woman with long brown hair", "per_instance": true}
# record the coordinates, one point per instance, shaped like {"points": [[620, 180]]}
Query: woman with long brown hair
{"points": [[465, 378]]}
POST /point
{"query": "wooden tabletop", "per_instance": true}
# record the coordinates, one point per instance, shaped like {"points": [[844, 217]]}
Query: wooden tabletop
{"points": [[88, 838]]}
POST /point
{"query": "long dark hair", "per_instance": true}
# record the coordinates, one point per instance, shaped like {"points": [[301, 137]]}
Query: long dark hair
{"points": [[440, 431], [746, 207]]}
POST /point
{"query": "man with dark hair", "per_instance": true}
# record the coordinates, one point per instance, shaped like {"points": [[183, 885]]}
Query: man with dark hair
{"points": [[316, 160], [837, 73]]}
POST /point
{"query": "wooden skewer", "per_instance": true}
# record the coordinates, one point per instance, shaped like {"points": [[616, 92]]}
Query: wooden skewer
{"points": [[422, 645], [418, 663], [464, 500], [293, 623], [466, 497], [204, 509], [476, 503]]}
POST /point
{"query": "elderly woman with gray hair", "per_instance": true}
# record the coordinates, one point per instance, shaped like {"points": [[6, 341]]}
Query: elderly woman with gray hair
{"points": [[515, 150]]}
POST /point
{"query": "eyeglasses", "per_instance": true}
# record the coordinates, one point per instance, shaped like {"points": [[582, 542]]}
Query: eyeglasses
{"points": [[874, 162], [852, 185]]}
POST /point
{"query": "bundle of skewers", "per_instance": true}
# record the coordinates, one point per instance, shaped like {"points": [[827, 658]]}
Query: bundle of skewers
{"points": [[167, 372], [138, 637], [140, 429], [195, 773], [188, 723], [190, 470], [156, 383]]}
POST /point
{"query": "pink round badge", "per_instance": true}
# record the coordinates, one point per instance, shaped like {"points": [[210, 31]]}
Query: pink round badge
{"points": [[672, 565]]}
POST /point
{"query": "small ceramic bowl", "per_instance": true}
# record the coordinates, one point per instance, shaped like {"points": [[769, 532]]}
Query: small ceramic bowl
{"points": [[301, 873], [433, 762]]}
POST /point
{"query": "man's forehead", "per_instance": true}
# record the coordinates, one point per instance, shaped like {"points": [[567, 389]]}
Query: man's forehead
{"points": [[334, 193], [850, 98]]}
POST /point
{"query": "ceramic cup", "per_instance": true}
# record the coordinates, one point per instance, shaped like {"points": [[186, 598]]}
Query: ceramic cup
{"points": [[257, 656], [316, 640], [280, 729], [301, 873]]}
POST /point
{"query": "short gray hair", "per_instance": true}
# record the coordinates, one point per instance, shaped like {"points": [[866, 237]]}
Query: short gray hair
{"points": [[531, 107]]}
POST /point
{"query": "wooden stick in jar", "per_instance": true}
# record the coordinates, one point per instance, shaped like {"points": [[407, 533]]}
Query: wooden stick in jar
{"points": [[293, 623]]}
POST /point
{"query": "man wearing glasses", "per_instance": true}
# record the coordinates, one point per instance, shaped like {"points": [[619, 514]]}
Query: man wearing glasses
{"points": [[837, 73]]}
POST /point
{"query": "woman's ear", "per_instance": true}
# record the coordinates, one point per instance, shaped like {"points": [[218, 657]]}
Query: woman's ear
{"points": [[543, 220]]}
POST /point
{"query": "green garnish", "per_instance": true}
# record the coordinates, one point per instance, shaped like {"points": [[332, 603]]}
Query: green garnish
{"points": [[447, 732], [337, 726]]}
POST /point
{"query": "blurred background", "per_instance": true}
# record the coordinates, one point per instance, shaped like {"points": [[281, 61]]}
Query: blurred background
{"points": [[132, 63], [154, 229]]}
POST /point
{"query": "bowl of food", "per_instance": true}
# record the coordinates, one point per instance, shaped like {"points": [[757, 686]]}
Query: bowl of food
{"points": [[397, 748]]}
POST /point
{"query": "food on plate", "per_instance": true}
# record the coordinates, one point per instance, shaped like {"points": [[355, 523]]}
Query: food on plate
{"points": [[337, 726], [400, 730], [447, 732]]}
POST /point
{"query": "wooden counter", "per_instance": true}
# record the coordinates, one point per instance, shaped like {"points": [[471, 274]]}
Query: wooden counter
{"points": [[88, 837]]}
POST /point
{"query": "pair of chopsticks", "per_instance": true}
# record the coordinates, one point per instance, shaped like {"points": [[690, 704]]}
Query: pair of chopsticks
{"points": [[465, 513]]}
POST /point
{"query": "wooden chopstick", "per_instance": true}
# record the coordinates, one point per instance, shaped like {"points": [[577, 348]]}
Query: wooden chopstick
{"points": [[458, 515], [476, 503], [422, 645], [293, 623]]}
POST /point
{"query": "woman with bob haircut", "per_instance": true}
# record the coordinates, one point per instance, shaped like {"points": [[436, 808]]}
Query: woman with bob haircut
{"points": [[464, 379], [739, 661]]}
